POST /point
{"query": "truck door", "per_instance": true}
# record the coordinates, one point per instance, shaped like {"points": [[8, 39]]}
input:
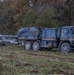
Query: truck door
{"points": [[72, 32], [64, 34], [72, 36]]}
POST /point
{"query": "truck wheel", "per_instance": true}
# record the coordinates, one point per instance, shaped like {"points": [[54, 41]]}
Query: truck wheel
{"points": [[27, 45], [36, 46], [65, 47]]}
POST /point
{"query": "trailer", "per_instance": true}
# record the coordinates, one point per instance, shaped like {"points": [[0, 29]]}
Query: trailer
{"points": [[36, 38], [10, 39]]}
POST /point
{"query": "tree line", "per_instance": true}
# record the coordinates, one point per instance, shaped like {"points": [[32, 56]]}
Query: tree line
{"points": [[45, 13]]}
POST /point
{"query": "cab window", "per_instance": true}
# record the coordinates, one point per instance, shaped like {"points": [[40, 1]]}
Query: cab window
{"points": [[64, 30], [64, 33]]}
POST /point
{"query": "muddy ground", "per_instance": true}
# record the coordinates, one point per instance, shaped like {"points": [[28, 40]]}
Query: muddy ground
{"points": [[14, 60]]}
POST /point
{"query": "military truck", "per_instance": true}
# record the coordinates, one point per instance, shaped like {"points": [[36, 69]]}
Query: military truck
{"points": [[36, 38]]}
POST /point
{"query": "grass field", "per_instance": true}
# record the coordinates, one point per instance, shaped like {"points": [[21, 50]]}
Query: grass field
{"points": [[14, 60]]}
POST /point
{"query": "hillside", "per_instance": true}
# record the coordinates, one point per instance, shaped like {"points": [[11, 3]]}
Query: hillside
{"points": [[47, 13]]}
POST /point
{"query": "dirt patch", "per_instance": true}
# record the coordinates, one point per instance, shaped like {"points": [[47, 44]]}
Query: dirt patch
{"points": [[23, 64], [9, 55], [52, 58], [58, 71], [37, 55], [34, 71], [32, 54]]}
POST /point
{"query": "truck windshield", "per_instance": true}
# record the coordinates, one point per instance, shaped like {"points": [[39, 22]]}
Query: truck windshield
{"points": [[64, 32]]}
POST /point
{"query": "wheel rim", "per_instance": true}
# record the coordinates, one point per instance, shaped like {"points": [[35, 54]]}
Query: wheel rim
{"points": [[35, 46], [65, 48], [27, 45]]}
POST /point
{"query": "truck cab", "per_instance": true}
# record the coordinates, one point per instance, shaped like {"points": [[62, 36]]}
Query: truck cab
{"points": [[67, 39]]}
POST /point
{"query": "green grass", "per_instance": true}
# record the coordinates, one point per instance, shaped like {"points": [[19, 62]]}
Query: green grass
{"points": [[14, 60]]}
